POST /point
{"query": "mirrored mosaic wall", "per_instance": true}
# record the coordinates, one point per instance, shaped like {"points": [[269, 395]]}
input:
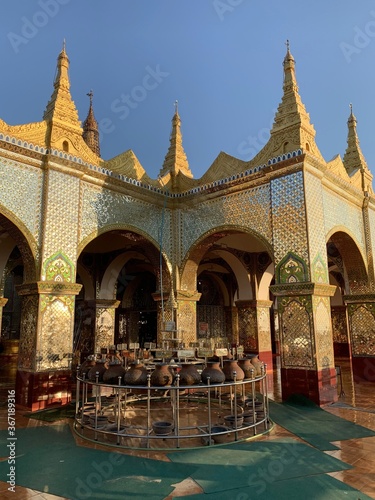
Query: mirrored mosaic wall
{"points": [[338, 212], [22, 193], [101, 208], [61, 215], [288, 217], [316, 228], [248, 209]]}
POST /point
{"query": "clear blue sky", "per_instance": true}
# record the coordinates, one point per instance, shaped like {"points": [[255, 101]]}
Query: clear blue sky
{"points": [[221, 59]]}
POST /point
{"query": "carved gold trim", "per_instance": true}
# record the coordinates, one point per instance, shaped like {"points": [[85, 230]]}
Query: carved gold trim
{"points": [[48, 287], [359, 299], [253, 303], [295, 289], [186, 295], [107, 303]]}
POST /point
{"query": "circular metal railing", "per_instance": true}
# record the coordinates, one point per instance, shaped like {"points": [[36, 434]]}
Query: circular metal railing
{"points": [[171, 417]]}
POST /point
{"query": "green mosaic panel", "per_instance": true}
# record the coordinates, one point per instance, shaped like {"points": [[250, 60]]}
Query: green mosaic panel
{"points": [[102, 207], [22, 193], [249, 209], [288, 217], [58, 268], [291, 269], [62, 215]]}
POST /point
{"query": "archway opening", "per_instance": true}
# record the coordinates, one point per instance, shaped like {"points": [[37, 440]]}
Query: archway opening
{"points": [[120, 273]]}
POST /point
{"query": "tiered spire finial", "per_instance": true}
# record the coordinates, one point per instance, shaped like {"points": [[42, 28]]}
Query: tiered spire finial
{"points": [[91, 128], [292, 128], [61, 106], [175, 160], [353, 158]]}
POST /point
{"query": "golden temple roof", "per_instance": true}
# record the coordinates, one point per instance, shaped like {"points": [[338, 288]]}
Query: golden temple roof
{"points": [[354, 161], [175, 161], [91, 129]]}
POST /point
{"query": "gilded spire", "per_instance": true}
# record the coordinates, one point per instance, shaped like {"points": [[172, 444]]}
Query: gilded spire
{"points": [[176, 160], [61, 107], [292, 128], [353, 158], [90, 129]]}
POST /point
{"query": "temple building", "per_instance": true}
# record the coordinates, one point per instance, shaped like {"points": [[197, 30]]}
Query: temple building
{"points": [[274, 254]]}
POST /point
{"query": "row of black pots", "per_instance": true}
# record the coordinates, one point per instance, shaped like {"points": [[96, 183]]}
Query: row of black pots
{"points": [[164, 374]]}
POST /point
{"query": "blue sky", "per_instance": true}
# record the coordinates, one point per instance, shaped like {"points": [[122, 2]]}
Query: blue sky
{"points": [[221, 59]]}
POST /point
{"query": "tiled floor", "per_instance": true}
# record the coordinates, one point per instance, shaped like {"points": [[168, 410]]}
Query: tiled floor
{"points": [[357, 404]]}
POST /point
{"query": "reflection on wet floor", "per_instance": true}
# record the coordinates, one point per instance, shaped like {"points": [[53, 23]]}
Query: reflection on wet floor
{"points": [[355, 403]]}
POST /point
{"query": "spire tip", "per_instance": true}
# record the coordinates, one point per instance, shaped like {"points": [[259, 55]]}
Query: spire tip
{"points": [[90, 95]]}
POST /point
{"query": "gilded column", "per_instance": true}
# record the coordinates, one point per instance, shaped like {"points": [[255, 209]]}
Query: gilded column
{"points": [[3, 301], [231, 324], [186, 315], [46, 342], [340, 332], [254, 329], [104, 323], [307, 358]]}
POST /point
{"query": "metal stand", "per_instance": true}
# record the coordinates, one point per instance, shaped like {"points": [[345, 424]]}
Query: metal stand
{"points": [[339, 374]]}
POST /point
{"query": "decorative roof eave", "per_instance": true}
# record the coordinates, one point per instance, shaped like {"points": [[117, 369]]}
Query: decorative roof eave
{"points": [[37, 133], [127, 164], [103, 169], [344, 188], [334, 176], [30, 132], [336, 166]]}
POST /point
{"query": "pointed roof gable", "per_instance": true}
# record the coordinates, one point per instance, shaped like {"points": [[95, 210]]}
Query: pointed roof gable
{"points": [[175, 161]]}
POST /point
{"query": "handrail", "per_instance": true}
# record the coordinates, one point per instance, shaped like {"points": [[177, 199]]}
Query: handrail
{"points": [[192, 415]]}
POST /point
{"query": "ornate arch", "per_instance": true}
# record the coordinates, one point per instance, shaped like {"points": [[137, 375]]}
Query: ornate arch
{"points": [[354, 263], [24, 240], [197, 250]]}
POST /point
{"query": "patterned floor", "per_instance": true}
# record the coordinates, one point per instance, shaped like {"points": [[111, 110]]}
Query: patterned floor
{"points": [[356, 403]]}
